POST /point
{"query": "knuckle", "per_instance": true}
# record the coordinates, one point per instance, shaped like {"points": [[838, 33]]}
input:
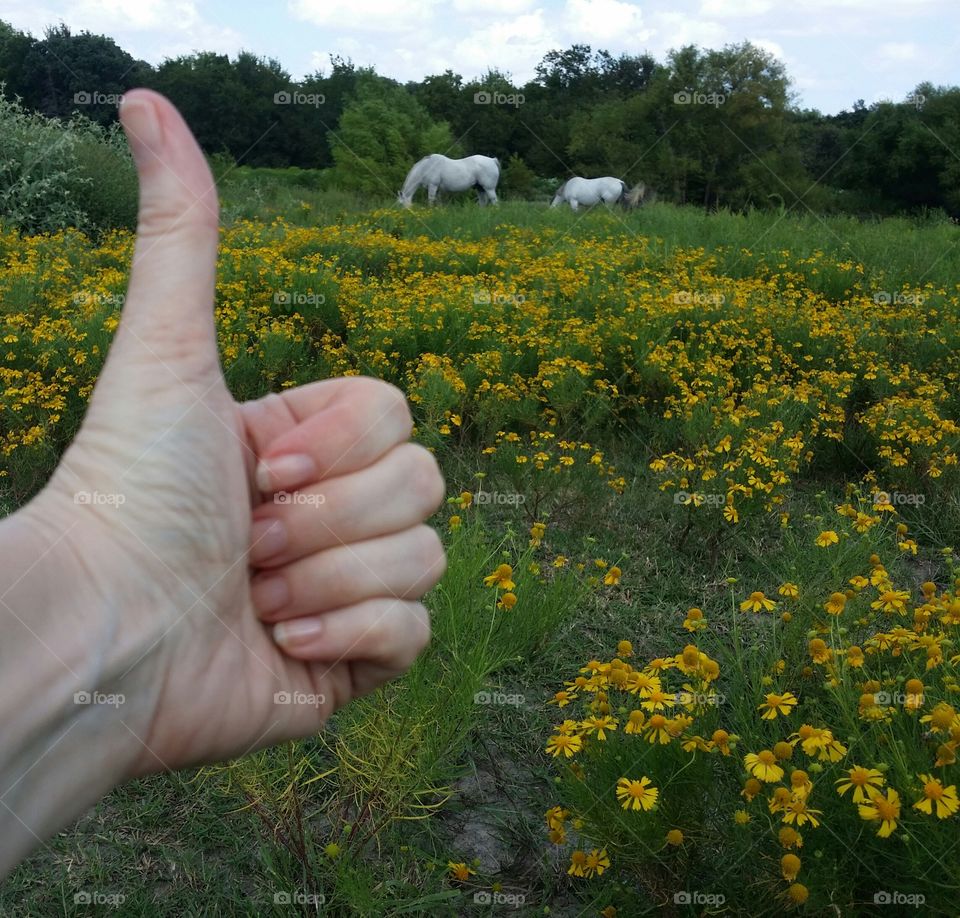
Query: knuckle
{"points": [[430, 553], [395, 404], [335, 576], [419, 630], [425, 479]]}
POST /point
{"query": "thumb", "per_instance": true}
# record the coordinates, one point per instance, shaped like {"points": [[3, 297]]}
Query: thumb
{"points": [[167, 320]]}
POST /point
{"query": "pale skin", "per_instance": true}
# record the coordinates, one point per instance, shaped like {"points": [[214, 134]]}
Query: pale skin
{"points": [[159, 565]]}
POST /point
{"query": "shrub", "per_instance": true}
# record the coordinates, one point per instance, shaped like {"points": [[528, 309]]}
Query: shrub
{"points": [[55, 175]]}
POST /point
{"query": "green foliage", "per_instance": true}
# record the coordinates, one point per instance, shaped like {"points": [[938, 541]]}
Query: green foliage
{"points": [[518, 180], [382, 133], [55, 176]]}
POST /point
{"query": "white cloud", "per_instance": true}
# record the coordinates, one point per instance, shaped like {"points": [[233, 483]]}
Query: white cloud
{"points": [[599, 21], [735, 8], [898, 51], [364, 15], [487, 8], [675, 29], [516, 45]]}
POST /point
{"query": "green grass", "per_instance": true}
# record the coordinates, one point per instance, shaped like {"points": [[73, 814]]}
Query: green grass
{"points": [[423, 772]]}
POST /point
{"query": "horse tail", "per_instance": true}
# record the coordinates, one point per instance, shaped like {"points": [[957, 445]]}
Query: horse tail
{"points": [[623, 191], [636, 195]]}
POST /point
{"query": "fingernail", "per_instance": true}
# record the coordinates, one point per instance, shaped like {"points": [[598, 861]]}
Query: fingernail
{"points": [[267, 538], [270, 593], [284, 472], [297, 631], [141, 124]]}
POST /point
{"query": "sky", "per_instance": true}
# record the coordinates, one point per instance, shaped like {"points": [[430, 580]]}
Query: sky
{"points": [[836, 52]]}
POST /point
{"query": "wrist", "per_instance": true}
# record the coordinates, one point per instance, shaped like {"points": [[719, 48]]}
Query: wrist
{"points": [[69, 715]]}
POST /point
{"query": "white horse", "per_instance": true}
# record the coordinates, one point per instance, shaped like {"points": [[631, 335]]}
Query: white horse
{"points": [[440, 173], [610, 190]]}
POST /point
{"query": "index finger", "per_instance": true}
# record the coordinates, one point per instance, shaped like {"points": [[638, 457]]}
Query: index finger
{"points": [[324, 429]]}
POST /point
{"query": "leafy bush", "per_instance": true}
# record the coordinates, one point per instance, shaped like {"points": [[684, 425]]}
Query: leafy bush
{"points": [[55, 175]]}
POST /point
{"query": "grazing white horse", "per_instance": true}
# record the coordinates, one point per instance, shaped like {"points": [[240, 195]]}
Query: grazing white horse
{"points": [[590, 191], [440, 173]]}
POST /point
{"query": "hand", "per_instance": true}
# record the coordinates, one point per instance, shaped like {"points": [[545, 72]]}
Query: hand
{"points": [[147, 588]]}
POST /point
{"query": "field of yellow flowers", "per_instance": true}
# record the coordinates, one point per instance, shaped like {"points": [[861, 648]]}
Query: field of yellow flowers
{"points": [[697, 649]]}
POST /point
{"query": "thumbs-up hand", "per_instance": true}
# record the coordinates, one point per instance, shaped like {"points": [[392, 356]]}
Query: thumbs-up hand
{"points": [[252, 567]]}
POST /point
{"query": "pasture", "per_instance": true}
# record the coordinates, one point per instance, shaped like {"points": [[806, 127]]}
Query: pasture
{"points": [[697, 645]]}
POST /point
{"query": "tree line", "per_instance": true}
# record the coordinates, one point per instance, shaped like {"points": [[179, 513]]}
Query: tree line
{"points": [[715, 128]]}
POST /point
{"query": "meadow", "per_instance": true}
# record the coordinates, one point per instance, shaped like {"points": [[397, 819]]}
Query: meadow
{"points": [[697, 647]]}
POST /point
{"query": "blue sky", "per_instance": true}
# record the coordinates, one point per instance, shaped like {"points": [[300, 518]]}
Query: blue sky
{"points": [[836, 52]]}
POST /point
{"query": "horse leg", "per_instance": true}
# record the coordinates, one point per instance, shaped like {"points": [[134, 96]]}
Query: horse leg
{"points": [[432, 194], [573, 204], [491, 195]]}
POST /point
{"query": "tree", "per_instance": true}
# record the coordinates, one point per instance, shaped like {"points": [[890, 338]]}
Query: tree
{"points": [[15, 47], [88, 73], [383, 131]]}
